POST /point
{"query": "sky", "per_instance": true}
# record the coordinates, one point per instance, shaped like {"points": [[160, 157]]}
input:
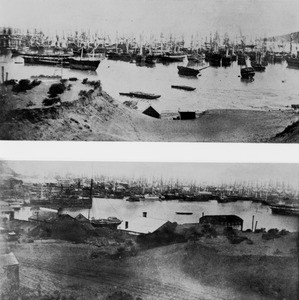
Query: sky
{"points": [[198, 172], [246, 17]]}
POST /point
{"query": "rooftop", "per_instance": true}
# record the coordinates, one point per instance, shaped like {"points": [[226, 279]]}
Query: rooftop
{"points": [[142, 225]]}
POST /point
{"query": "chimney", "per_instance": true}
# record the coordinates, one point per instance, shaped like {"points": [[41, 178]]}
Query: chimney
{"points": [[126, 225], [144, 214]]}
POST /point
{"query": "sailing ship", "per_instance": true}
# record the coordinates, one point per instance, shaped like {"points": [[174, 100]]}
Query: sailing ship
{"points": [[226, 60], [84, 63], [40, 59], [248, 70], [285, 209], [171, 57], [257, 64], [293, 61]]}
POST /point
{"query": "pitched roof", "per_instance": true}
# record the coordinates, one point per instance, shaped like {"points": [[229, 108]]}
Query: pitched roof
{"points": [[8, 260]]}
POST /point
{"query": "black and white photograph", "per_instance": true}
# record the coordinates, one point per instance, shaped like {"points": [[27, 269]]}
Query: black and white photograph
{"points": [[146, 230], [149, 150], [150, 70]]}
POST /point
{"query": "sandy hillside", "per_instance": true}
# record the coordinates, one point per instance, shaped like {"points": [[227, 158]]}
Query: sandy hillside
{"points": [[99, 117]]}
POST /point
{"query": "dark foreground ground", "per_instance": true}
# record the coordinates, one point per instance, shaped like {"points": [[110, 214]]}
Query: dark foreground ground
{"points": [[98, 117], [208, 267]]}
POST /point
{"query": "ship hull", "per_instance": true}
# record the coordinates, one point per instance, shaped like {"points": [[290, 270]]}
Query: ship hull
{"points": [[187, 71], [90, 65], [293, 62], [285, 210]]}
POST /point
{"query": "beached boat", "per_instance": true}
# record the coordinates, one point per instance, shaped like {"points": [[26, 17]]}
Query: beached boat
{"points": [[111, 222], [285, 209], [84, 63], [141, 95], [187, 71], [183, 87]]}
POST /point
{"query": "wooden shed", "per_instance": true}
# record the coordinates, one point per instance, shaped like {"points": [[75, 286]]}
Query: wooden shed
{"points": [[187, 115], [225, 220]]}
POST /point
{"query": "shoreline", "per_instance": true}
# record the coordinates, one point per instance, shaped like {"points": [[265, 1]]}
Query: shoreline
{"points": [[99, 117]]}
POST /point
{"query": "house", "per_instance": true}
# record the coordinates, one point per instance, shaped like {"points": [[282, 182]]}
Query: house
{"points": [[9, 277], [142, 225], [225, 220], [152, 112]]}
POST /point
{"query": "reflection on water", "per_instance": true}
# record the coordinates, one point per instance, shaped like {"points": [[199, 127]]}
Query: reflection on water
{"points": [[216, 88], [166, 210]]}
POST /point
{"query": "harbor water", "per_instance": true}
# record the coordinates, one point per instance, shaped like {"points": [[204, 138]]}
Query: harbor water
{"points": [[216, 88], [166, 210]]}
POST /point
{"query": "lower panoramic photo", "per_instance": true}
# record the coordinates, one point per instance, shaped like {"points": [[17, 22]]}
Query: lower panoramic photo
{"points": [[133, 230]]}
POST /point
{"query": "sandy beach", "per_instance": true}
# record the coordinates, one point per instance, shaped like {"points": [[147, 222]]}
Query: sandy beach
{"points": [[98, 117]]}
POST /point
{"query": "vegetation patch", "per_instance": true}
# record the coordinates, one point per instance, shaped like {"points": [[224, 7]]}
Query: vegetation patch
{"points": [[25, 84], [51, 101]]}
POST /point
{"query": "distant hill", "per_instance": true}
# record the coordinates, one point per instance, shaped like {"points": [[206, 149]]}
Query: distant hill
{"points": [[286, 38]]}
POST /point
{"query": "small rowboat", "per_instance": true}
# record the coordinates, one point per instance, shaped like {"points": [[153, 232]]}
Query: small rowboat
{"points": [[183, 87], [184, 213], [141, 95]]}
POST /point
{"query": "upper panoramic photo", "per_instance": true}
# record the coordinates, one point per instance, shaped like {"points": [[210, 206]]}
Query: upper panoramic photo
{"points": [[150, 70]]}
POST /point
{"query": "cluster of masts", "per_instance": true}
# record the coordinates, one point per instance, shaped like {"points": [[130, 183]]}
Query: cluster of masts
{"points": [[161, 185], [37, 39]]}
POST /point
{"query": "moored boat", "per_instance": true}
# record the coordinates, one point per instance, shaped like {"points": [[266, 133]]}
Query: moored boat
{"points": [[247, 72], [258, 67], [285, 209], [293, 61], [133, 199], [84, 63], [183, 213], [171, 57], [183, 87], [46, 60], [141, 95], [187, 71]]}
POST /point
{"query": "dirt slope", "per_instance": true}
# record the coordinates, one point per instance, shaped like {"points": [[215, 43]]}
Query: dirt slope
{"points": [[98, 117]]}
